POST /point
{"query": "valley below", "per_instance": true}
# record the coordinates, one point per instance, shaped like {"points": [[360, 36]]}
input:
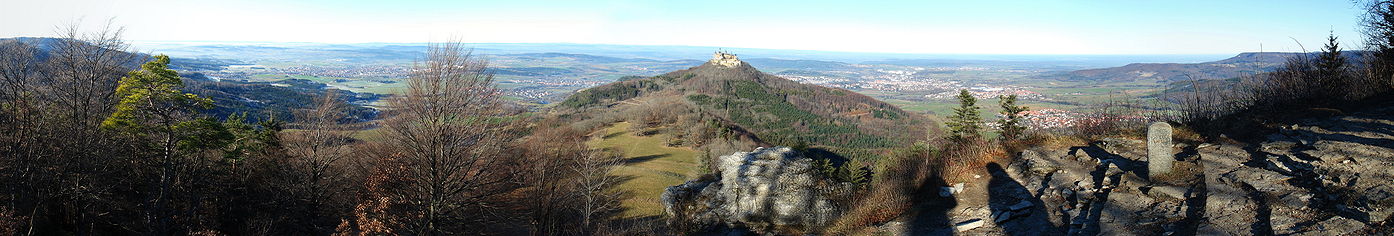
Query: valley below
{"points": [[537, 77]]}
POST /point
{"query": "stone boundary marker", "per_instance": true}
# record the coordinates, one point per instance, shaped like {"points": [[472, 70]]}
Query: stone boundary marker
{"points": [[1159, 156]]}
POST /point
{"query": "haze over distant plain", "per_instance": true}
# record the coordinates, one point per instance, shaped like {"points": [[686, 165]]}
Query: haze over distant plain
{"points": [[930, 27]]}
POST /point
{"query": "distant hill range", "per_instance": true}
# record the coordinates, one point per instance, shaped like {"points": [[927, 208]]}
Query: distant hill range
{"points": [[1242, 64], [774, 110], [592, 63]]}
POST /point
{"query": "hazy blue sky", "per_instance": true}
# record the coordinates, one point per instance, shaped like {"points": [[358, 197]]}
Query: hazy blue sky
{"points": [[914, 26]]}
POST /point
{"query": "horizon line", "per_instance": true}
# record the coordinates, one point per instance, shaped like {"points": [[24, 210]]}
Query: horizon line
{"points": [[696, 46], [721, 47]]}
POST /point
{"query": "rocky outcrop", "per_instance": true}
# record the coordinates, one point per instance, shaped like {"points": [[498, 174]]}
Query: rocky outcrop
{"points": [[1101, 189], [768, 190], [1317, 177]]}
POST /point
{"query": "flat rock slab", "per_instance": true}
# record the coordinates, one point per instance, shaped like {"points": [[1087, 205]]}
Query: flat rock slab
{"points": [[1174, 192], [1021, 205], [1228, 209], [969, 225], [1262, 180], [1335, 226]]}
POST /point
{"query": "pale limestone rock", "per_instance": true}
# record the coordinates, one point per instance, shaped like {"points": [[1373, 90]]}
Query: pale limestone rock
{"points": [[1337, 225], [969, 225], [762, 190]]}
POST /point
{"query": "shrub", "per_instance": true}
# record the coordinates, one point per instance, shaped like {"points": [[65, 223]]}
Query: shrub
{"points": [[1252, 104], [910, 172], [1116, 116], [1048, 140], [891, 192], [962, 159], [852, 171], [10, 222]]}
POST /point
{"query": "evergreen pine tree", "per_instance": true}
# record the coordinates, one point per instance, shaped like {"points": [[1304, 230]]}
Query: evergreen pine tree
{"points": [[800, 146], [1011, 117], [705, 162], [826, 168], [152, 106], [853, 172], [1332, 71], [965, 122]]}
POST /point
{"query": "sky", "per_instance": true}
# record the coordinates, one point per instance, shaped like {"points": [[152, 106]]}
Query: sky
{"points": [[1107, 27]]}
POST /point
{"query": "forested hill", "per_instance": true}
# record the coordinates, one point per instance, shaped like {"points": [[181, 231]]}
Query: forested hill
{"points": [[775, 110], [1242, 64], [258, 100]]}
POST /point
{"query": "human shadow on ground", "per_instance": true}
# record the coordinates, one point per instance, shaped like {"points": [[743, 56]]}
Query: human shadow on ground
{"points": [[1196, 195], [1013, 207], [931, 210], [1308, 136]]}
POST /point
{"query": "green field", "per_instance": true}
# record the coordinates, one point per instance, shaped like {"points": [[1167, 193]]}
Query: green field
{"points": [[650, 167]]}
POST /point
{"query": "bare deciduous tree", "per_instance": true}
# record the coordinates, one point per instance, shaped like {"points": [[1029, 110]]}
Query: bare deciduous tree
{"points": [[450, 133], [1377, 24], [53, 102], [593, 184], [85, 70], [548, 153], [313, 174], [321, 143]]}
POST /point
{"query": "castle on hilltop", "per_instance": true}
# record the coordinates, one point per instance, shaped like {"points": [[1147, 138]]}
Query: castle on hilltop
{"points": [[726, 59]]}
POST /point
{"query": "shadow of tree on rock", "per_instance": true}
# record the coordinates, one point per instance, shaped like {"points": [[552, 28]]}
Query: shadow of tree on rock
{"points": [[644, 158]]}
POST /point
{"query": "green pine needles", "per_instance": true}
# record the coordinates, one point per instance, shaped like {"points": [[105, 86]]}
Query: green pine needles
{"points": [[152, 93], [1011, 122], [966, 122]]}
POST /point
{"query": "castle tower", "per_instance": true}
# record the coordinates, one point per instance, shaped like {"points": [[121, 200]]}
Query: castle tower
{"points": [[725, 59]]}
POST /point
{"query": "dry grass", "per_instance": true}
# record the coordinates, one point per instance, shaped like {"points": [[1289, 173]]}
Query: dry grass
{"points": [[961, 160], [652, 165], [1051, 141], [891, 192], [635, 227], [1186, 134], [1183, 174], [911, 172]]}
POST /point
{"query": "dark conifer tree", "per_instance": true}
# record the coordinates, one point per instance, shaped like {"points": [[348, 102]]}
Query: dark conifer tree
{"points": [[1332, 71], [965, 122], [1011, 117]]}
